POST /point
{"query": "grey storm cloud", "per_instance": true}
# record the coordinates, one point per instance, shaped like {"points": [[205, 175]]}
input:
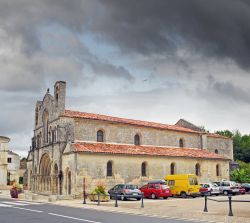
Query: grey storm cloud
{"points": [[33, 51], [227, 89], [218, 29]]}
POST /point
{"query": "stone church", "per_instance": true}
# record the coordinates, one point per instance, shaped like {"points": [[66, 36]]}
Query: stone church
{"points": [[69, 145]]}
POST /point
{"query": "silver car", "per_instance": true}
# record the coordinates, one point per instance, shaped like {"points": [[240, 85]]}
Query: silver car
{"points": [[228, 187], [210, 189], [124, 191]]}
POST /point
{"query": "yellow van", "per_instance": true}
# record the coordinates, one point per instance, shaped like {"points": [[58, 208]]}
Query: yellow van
{"points": [[183, 185]]}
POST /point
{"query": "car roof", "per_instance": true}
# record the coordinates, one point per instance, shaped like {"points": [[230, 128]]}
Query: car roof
{"points": [[156, 181]]}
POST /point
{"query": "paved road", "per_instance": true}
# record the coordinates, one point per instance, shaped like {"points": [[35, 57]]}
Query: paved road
{"points": [[16, 211]]}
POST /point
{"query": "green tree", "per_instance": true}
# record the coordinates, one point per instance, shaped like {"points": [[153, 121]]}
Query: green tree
{"points": [[242, 175]]}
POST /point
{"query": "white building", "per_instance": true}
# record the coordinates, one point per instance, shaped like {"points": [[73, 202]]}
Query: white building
{"points": [[13, 166], [3, 160]]}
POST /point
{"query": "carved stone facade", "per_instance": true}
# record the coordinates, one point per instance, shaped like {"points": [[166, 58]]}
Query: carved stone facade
{"points": [[68, 146]]}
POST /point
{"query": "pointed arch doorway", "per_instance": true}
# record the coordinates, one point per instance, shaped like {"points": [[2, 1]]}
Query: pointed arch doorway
{"points": [[45, 173]]}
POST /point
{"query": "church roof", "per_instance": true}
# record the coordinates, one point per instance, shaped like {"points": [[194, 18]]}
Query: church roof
{"points": [[85, 115], [126, 149]]}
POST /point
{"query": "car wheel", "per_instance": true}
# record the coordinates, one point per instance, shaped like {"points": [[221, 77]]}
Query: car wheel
{"points": [[216, 194], [123, 198], [183, 194], [138, 199], [225, 192], [165, 198], [153, 196]]}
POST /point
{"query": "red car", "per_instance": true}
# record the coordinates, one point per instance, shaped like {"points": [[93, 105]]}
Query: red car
{"points": [[156, 189], [242, 190]]}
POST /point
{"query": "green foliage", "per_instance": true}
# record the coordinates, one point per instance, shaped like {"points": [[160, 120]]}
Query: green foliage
{"points": [[242, 175], [241, 144], [226, 133]]}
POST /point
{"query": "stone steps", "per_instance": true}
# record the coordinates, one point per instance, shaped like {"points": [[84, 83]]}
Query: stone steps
{"points": [[45, 197]]}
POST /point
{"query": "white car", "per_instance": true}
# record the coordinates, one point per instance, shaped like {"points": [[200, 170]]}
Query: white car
{"points": [[210, 189], [228, 187]]}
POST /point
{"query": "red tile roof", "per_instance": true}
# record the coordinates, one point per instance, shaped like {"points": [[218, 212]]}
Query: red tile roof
{"points": [[85, 115], [214, 135], [144, 150]]}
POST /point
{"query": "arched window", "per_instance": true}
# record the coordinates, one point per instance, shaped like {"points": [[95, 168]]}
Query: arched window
{"points": [[144, 169], [100, 136], [56, 133], [50, 135], [172, 168], [39, 137], [53, 136], [181, 143], [37, 142], [45, 126], [197, 169], [57, 95], [36, 116], [216, 151], [217, 170], [137, 140], [109, 169]]}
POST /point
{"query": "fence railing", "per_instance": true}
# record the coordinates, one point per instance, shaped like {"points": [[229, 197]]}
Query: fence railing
{"points": [[117, 197], [230, 200]]}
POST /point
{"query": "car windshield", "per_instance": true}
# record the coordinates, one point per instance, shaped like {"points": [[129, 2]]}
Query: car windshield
{"points": [[215, 185], [164, 187], [131, 187]]}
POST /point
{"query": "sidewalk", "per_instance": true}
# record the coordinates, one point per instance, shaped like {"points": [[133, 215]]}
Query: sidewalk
{"points": [[175, 207], [191, 208]]}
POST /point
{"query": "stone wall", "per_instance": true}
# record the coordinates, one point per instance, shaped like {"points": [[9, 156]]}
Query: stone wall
{"points": [[127, 169], [86, 130], [224, 146]]}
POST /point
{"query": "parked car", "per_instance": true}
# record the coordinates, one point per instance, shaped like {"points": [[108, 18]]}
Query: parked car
{"points": [[156, 189], [209, 188], [125, 191], [228, 187], [183, 185], [242, 190], [246, 186]]}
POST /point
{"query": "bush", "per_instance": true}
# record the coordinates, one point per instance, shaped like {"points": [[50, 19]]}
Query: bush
{"points": [[241, 175], [100, 189]]}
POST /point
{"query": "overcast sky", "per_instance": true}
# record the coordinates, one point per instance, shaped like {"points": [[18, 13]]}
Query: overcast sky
{"points": [[156, 60]]}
